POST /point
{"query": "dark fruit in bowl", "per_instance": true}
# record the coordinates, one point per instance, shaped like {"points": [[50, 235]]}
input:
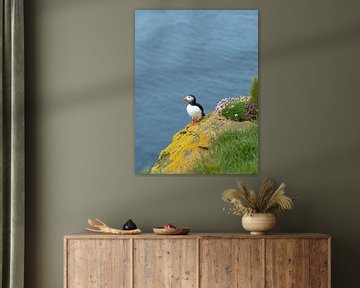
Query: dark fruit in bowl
{"points": [[169, 226], [129, 225]]}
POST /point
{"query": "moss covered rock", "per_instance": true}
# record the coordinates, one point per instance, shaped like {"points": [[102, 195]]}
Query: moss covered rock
{"points": [[192, 142]]}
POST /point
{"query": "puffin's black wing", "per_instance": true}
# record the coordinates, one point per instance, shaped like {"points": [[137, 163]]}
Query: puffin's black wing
{"points": [[201, 108]]}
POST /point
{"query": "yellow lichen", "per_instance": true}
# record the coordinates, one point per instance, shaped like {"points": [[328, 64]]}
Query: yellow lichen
{"points": [[182, 151]]}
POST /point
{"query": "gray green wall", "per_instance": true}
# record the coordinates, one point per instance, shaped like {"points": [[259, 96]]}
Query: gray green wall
{"points": [[80, 128]]}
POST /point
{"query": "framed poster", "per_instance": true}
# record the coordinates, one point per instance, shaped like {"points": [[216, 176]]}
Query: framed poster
{"points": [[196, 91]]}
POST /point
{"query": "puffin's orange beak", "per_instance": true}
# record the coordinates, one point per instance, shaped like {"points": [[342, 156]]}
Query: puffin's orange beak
{"points": [[184, 100]]}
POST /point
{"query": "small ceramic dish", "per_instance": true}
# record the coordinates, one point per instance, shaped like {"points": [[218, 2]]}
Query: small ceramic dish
{"points": [[171, 231]]}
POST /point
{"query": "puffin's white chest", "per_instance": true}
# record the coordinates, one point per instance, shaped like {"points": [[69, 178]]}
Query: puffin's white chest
{"points": [[194, 112]]}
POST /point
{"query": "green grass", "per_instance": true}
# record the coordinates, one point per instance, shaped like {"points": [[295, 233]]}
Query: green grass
{"points": [[234, 110], [233, 152], [254, 90]]}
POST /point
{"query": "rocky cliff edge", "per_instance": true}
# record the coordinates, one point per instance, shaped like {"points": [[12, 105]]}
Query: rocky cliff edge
{"points": [[192, 142]]}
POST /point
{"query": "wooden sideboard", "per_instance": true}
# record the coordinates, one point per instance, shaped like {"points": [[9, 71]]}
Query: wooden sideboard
{"points": [[197, 260]]}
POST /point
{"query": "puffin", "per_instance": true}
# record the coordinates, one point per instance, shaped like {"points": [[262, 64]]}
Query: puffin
{"points": [[194, 109]]}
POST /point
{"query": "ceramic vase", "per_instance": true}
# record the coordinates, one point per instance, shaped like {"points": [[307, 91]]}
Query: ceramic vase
{"points": [[259, 223]]}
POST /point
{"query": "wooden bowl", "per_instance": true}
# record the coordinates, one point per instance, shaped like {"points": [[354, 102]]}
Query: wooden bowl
{"points": [[171, 231]]}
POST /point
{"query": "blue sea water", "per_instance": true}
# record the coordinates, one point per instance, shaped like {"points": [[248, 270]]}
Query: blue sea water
{"points": [[212, 54]]}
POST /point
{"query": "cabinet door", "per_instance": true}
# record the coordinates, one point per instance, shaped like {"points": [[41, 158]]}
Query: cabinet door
{"points": [[98, 263], [320, 263], [287, 263], [297, 263], [165, 263], [231, 263]]}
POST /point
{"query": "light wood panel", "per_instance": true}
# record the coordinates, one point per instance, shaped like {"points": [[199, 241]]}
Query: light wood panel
{"points": [[166, 263], [98, 264], [89, 235], [231, 263], [287, 263], [319, 263]]}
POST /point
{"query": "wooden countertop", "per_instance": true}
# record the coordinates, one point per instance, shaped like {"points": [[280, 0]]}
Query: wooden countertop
{"points": [[88, 235]]}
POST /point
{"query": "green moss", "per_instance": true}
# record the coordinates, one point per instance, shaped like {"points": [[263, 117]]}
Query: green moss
{"points": [[234, 110], [254, 90], [232, 152]]}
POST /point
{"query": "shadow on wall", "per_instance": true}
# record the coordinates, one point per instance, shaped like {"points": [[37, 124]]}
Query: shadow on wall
{"points": [[104, 92], [124, 87], [312, 44]]}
